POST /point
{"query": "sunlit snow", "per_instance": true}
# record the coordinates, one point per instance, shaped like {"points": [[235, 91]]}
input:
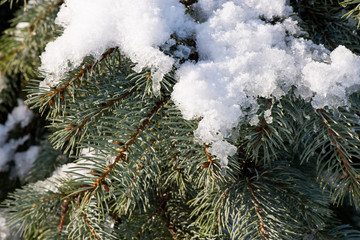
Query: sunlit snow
{"points": [[137, 27], [241, 56]]}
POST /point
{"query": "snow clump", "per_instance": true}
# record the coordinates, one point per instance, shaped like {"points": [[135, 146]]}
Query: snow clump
{"points": [[137, 27], [242, 56]]}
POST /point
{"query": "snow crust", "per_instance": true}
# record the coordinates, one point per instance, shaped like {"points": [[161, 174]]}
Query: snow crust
{"points": [[241, 56]]}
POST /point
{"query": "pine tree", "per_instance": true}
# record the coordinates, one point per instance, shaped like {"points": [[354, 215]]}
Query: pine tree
{"points": [[126, 164]]}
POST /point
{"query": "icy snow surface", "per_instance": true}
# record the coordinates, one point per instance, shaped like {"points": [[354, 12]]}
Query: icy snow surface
{"points": [[241, 56]]}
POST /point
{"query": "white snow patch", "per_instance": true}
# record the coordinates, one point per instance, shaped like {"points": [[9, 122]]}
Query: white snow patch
{"points": [[20, 115], [4, 230], [24, 161], [241, 57], [67, 172], [8, 150], [137, 27], [267, 116], [333, 82]]}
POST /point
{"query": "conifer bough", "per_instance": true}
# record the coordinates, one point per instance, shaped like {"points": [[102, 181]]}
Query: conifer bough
{"points": [[208, 119]]}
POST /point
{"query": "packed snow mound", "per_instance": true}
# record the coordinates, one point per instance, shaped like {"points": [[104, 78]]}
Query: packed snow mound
{"points": [[242, 56]]}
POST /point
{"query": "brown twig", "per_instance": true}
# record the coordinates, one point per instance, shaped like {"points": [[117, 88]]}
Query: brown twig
{"points": [[88, 224], [45, 200], [42, 16], [333, 139], [60, 90], [261, 129], [121, 154], [64, 209], [208, 156], [110, 103], [258, 211]]}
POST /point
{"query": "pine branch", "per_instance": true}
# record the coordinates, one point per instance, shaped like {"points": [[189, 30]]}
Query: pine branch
{"points": [[18, 53], [77, 127], [258, 211], [60, 90], [144, 172], [324, 22], [36, 21], [335, 142], [315, 20], [64, 209], [121, 154], [153, 214], [89, 226], [42, 16], [345, 144], [354, 12]]}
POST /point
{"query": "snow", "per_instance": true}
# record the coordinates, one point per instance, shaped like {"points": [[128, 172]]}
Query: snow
{"points": [[67, 172], [333, 82], [7, 151], [24, 161], [21, 25], [4, 230], [241, 57], [20, 115], [137, 27], [267, 116], [52, 183]]}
